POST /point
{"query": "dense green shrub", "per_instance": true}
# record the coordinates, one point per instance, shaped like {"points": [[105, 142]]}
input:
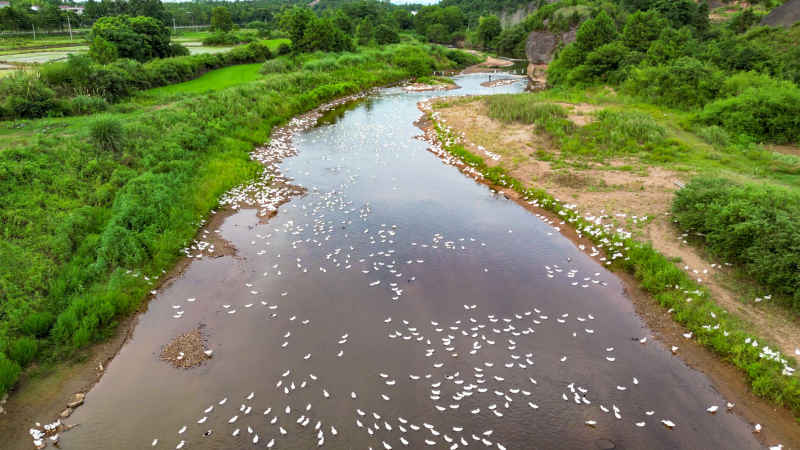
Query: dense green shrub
{"points": [[326, 64], [25, 95], [284, 49], [107, 134], [85, 104], [23, 350], [176, 49], [765, 113], [9, 373], [38, 324], [596, 32], [755, 226], [278, 65], [684, 83], [141, 38]]}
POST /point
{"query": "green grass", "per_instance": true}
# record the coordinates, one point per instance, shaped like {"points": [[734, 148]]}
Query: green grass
{"points": [[435, 80], [214, 80]]}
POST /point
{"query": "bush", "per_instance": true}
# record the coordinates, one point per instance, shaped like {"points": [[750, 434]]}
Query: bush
{"points": [[715, 135], [768, 114], [755, 226], [284, 49], [326, 64], [38, 324], [25, 95], [9, 373], [176, 49], [634, 125], [23, 350], [107, 134], [684, 83], [279, 65], [86, 104]]}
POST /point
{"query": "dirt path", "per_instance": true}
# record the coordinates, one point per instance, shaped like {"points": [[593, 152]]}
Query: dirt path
{"points": [[643, 194]]}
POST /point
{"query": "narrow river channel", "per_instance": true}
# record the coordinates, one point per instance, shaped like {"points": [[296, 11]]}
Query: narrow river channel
{"points": [[399, 304]]}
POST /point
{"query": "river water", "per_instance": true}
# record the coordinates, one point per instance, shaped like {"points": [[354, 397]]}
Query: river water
{"points": [[488, 327]]}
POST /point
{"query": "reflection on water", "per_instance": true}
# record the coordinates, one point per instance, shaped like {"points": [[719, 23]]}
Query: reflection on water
{"points": [[398, 303]]}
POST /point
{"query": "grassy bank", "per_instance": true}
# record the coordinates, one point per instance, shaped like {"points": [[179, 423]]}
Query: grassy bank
{"points": [[617, 134], [212, 81], [96, 208]]}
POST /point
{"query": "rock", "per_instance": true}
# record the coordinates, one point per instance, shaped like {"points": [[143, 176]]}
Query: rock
{"points": [[66, 413], [542, 45], [785, 15], [75, 404]]}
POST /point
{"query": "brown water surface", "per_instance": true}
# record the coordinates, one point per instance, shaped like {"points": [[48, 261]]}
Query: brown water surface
{"points": [[477, 300]]}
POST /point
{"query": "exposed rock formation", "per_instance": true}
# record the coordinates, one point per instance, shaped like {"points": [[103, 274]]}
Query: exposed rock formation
{"points": [[542, 45], [785, 15]]}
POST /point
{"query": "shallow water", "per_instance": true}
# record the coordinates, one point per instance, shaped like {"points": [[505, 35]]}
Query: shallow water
{"points": [[487, 304]]}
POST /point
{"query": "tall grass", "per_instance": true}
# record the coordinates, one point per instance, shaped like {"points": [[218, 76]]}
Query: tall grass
{"points": [[524, 109]]}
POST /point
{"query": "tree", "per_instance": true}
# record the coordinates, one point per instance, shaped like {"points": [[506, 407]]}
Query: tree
{"points": [[701, 22], [488, 29], [595, 33], [364, 32], [678, 12], [294, 22], [322, 35], [641, 29], [437, 33], [221, 19], [404, 19], [452, 18], [384, 34], [140, 38], [102, 51]]}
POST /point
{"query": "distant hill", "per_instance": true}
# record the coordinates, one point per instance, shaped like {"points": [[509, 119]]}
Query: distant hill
{"points": [[785, 15]]}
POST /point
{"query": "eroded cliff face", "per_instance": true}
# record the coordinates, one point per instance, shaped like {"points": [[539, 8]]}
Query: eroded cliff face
{"points": [[785, 15], [541, 48], [542, 45]]}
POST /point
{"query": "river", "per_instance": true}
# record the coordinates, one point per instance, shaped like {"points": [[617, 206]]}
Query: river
{"points": [[399, 303]]}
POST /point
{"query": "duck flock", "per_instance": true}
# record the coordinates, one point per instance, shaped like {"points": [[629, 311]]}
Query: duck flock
{"points": [[477, 373]]}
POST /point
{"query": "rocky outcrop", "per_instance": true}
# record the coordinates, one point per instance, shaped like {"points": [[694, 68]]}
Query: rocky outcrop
{"points": [[542, 45], [785, 15], [540, 49]]}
